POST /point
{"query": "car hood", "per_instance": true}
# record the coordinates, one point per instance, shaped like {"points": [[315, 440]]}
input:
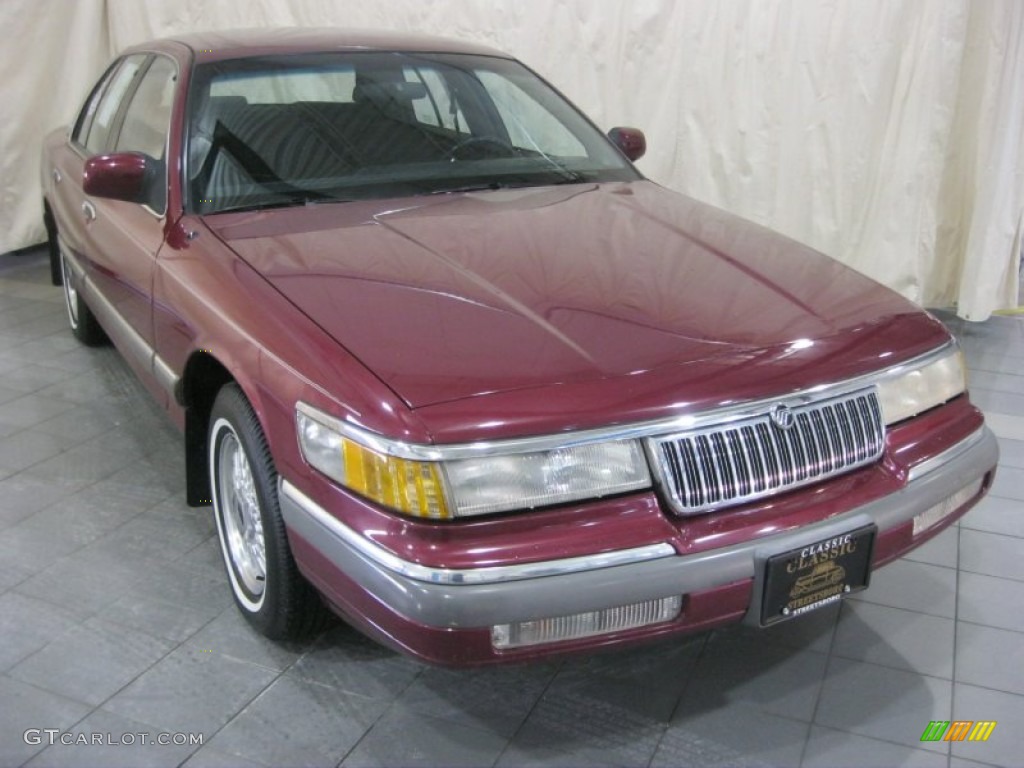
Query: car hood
{"points": [[452, 296]]}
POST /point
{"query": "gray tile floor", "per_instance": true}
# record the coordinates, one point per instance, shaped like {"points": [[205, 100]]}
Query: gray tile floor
{"points": [[116, 619]]}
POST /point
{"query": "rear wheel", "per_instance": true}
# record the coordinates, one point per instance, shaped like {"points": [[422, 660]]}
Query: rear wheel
{"points": [[267, 586], [81, 319]]}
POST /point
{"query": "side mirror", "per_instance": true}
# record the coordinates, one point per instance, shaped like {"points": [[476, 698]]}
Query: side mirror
{"points": [[630, 141], [121, 176]]}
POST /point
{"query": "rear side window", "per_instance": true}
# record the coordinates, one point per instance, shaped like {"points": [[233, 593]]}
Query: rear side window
{"points": [[85, 117], [101, 110]]}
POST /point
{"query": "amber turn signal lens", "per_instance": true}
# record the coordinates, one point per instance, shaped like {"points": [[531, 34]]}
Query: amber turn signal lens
{"points": [[414, 488]]}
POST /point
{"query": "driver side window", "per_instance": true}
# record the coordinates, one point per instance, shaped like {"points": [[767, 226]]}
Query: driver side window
{"points": [[147, 121], [93, 128]]}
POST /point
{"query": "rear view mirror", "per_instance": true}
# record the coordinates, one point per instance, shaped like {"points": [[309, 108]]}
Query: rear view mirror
{"points": [[630, 141], [121, 176]]}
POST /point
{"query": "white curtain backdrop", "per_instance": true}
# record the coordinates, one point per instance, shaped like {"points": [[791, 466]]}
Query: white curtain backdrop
{"points": [[886, 133]]}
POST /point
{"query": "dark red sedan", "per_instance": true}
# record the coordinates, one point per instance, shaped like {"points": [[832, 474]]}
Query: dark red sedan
{"points": [[447, 363]]}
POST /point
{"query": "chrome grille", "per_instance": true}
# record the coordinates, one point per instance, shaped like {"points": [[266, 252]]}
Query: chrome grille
{"points": [[754, 457]]}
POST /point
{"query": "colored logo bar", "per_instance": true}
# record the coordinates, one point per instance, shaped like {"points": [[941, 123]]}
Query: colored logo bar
{"points": [[958, 730]]}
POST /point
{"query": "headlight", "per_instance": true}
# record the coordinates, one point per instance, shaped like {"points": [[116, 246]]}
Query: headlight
{"points": [[441, 487], [526, 480], [917, 390]]}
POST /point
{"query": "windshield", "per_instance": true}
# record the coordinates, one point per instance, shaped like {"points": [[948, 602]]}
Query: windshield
{"points": [[286, 130]]}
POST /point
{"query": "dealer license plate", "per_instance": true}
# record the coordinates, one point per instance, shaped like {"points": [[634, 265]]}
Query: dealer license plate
{"points": [[816, 575]]}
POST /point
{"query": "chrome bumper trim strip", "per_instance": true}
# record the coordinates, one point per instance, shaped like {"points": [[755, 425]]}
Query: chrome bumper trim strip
{"points": [[487, 575], [948, 455]]}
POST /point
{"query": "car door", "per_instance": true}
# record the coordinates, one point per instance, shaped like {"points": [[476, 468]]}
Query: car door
{"points": [[90, 135], [121, 239]]}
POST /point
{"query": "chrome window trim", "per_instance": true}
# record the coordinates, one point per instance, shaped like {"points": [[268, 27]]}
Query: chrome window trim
{"points": [[686, 423], [486, 575]]}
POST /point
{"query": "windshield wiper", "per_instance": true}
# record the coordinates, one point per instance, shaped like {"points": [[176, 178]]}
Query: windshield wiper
{"points": [[567, 174], [573, 177], [564, 176], [290, 201], [481, 187]]}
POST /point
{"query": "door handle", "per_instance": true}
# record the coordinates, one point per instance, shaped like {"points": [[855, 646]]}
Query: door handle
{"points": [[56, 176], [89, 211]]}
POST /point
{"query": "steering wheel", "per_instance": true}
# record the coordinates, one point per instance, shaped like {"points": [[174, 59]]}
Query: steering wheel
{"points": [[481, 142]]}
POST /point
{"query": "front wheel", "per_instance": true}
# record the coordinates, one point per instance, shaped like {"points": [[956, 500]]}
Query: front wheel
{"points": [[267, 586]]}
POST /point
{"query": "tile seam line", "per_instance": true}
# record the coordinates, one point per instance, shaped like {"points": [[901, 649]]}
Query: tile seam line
{"points": [[682, 694], [830, 654], [956, 634], [529, 714], [384, 712]]}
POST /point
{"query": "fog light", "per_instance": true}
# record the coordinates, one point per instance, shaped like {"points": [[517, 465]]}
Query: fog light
{"points": [[587, 624], [943, 509]]}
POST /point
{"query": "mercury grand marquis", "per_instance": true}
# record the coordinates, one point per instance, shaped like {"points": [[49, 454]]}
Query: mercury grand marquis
{"points": [[447, 364]]}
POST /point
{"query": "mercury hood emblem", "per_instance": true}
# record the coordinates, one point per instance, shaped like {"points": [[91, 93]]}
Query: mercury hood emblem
{"points": [[783, 417]]}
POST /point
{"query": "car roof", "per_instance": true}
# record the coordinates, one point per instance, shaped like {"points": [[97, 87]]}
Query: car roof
{"points": [[240, 43]]}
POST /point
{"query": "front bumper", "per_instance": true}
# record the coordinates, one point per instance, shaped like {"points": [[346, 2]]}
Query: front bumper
{"points": [[423, 609]]}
